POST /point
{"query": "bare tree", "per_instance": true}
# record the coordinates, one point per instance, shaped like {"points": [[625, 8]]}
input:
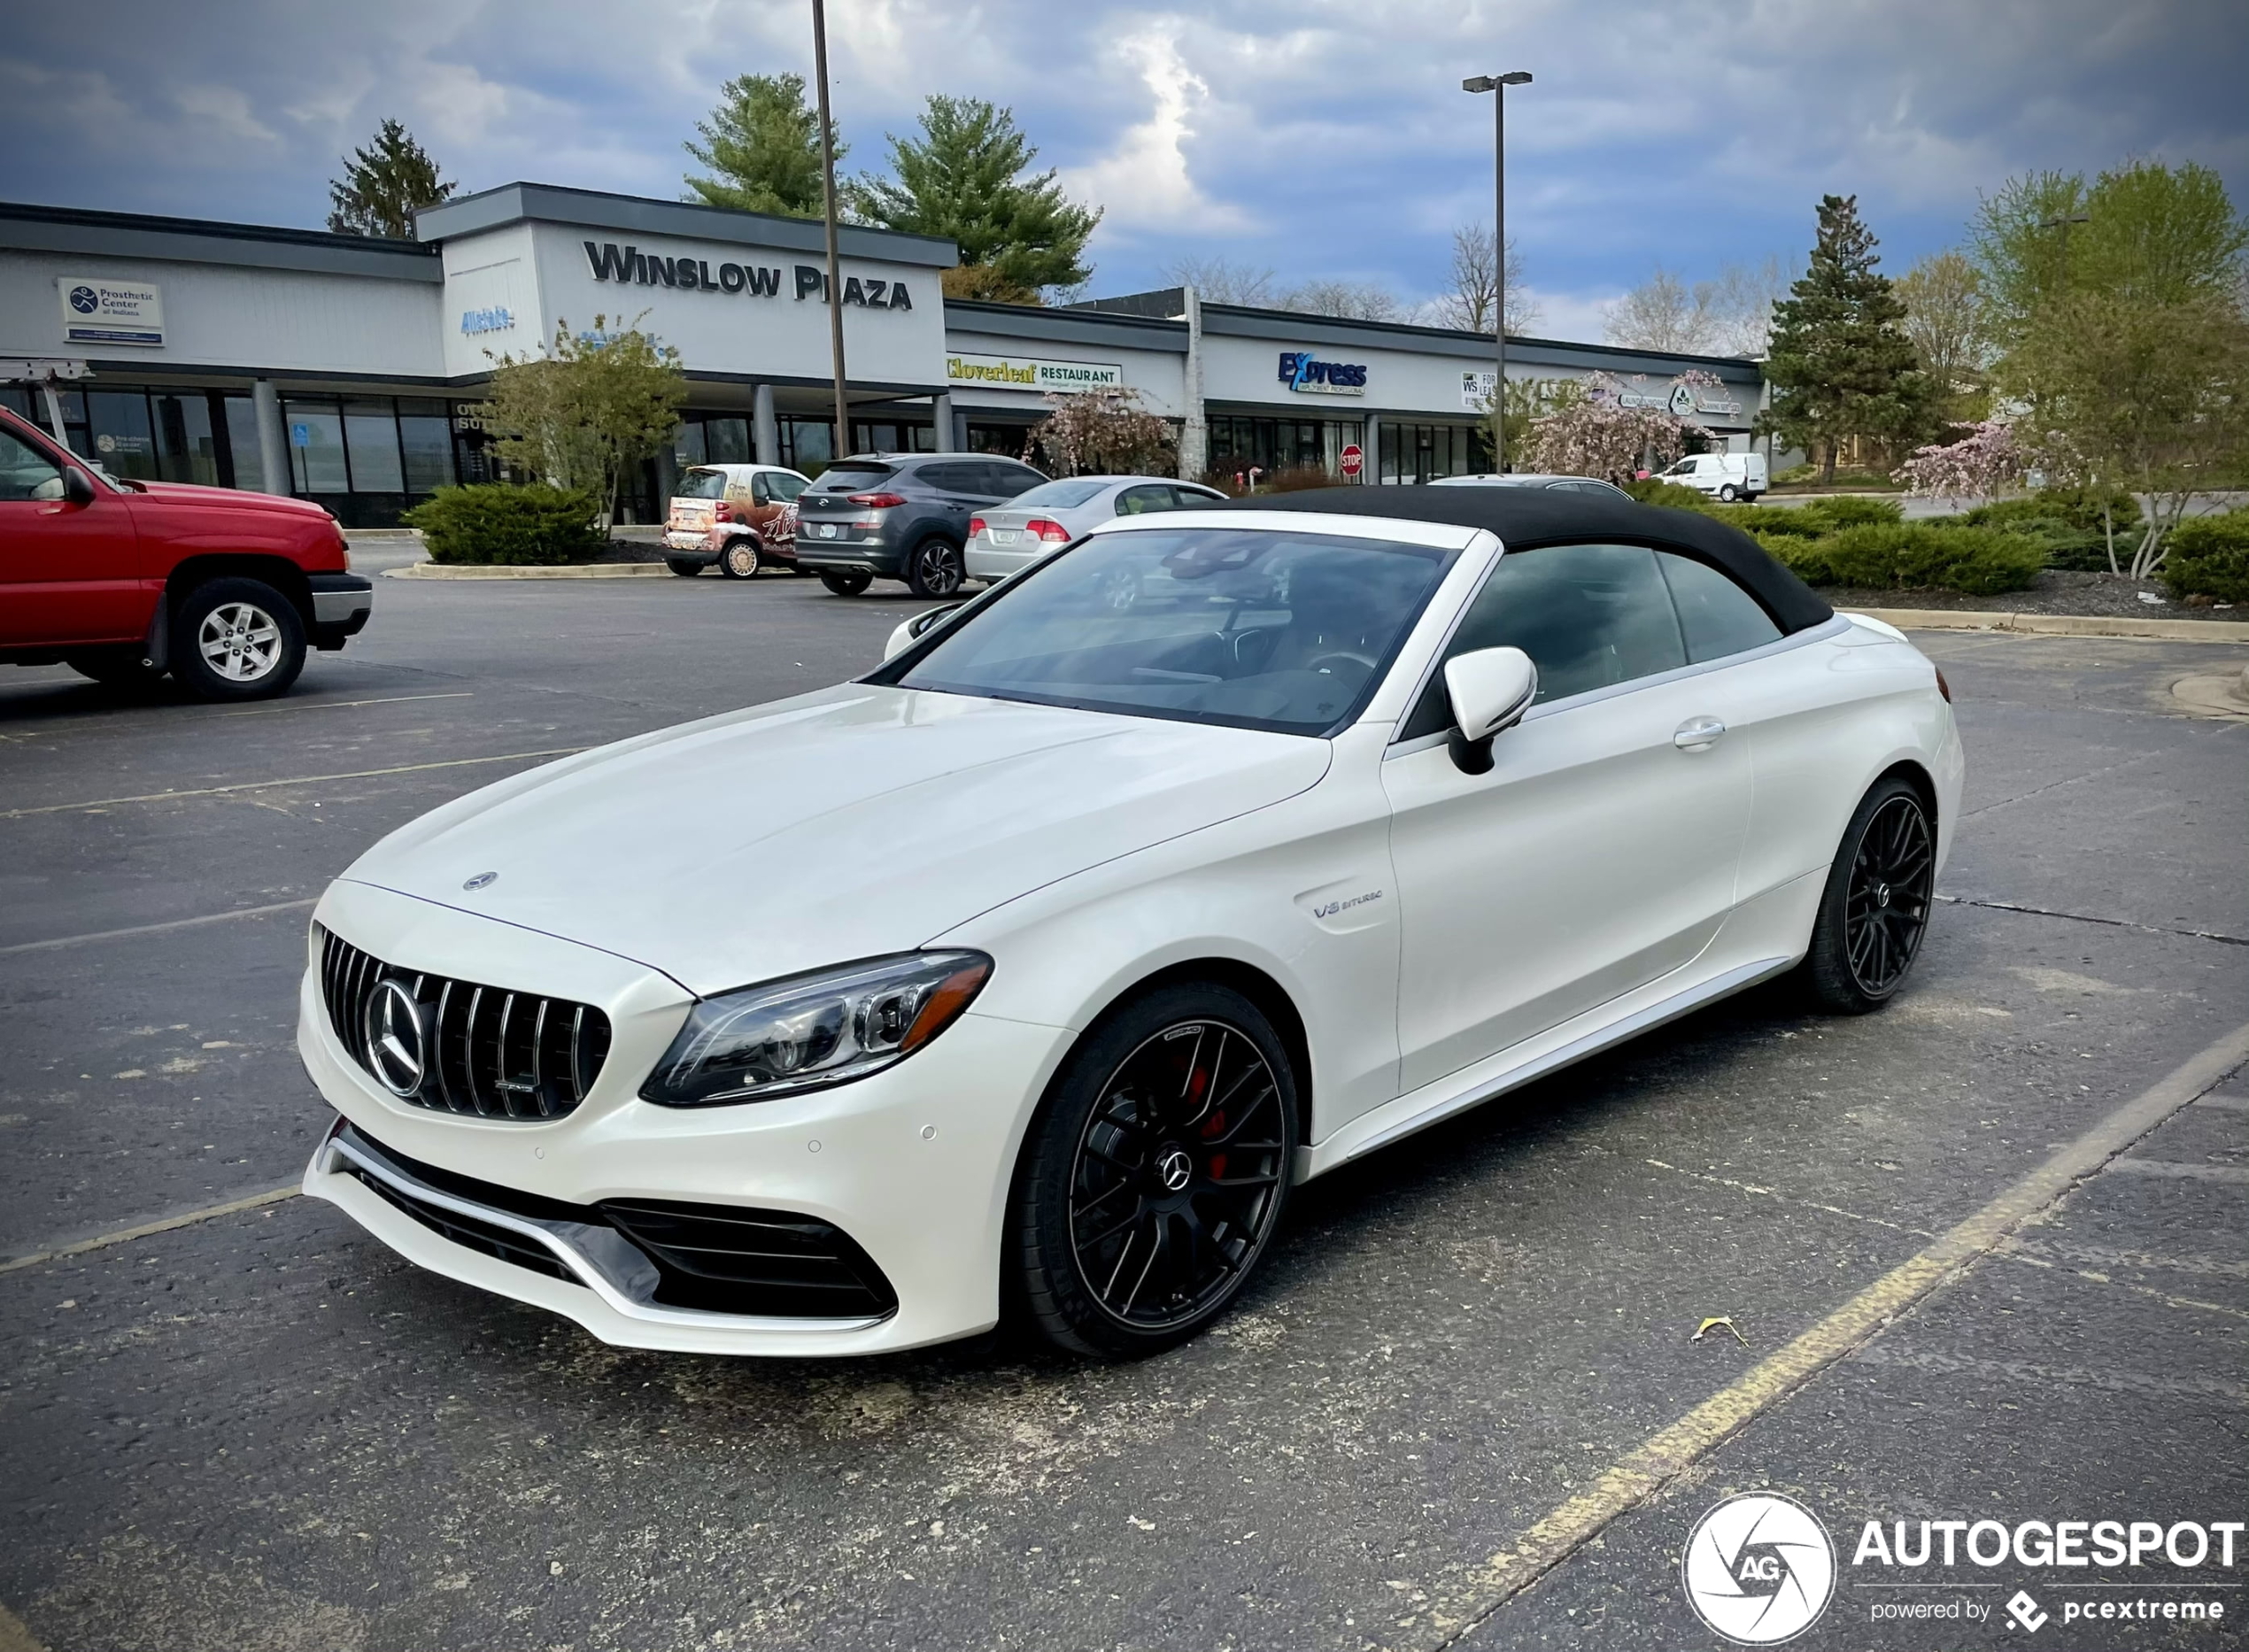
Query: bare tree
{"points": [[1358, 301], [1945, 317], [1221, 280], [1731, 316], [1468, 305]]}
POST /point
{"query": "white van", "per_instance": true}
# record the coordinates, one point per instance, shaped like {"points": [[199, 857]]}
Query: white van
{"points": [[1729, 477]]}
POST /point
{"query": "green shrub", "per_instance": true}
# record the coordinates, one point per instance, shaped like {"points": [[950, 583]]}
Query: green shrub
{"points": [[1924, 556], [1782, 522], [2209, 557], [1844, 511], [1655, 491], [1804, 558], [502, 524]]}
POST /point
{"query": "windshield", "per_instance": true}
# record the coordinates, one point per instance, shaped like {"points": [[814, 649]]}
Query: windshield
{"points": [[1058, 496], [1254, 628], [702, 484]]}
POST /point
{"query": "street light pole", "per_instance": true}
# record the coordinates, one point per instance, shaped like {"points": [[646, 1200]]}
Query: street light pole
{"points": [[828, 184], [1498, 85]]}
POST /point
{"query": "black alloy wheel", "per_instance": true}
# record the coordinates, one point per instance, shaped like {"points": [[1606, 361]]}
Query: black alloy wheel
{"points": [[1157, 1176], [936, 567], [739, 559], [1876, 907], [685, 567], [845, 581]]}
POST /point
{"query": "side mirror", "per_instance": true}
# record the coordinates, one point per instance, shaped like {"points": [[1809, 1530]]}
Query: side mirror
{"points": [[911, 631], [78, 487], [1490, 689]]}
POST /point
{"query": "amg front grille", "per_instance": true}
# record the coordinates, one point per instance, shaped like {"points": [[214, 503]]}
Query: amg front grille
{"points": [[719, 1259], [483, 1051]]}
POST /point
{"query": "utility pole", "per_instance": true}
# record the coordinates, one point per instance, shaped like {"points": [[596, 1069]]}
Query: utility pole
{"points": [[1498, 85], [828, 184]]}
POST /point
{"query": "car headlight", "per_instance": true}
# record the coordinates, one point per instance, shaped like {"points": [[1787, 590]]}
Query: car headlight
{"points": [[783, 1038]]}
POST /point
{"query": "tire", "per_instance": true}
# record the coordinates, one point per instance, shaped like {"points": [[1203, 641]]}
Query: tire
{"points": [[120, 667], [1874, 909], [1149, 1112], [1728, 494], [935, 568], [741, 560], [845, 581], [237, 639], [686, 568]]}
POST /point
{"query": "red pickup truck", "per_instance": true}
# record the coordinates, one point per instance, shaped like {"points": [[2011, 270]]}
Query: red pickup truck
{"points": [[125, 581]]}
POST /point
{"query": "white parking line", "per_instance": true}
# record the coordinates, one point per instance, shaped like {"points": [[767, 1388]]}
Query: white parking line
{"points": [[126, 1236], [158, 928], [296, 780]]}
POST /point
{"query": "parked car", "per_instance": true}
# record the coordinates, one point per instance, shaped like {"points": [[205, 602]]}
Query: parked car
{"points": [[124, 582], [737, 516], [1027, 527], [1527, 479], [901, 516], [1102, 930], [1727, 476]]}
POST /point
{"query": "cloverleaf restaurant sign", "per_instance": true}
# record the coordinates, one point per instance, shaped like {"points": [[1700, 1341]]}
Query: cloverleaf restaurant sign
{"points": [[1022, 373], [611, 262]]}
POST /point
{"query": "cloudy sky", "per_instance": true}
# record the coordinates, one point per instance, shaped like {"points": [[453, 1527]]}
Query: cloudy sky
{"points": [[1321, 138]]}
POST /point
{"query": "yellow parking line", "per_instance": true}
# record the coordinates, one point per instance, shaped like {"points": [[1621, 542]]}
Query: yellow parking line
{"points": [[1656, 1462], [297, 780], [126, 1236]]}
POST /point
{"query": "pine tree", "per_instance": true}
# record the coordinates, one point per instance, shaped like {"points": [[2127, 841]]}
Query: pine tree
{"points": [[1840, 363], [964, 178], [383, 185], [763, 143]]}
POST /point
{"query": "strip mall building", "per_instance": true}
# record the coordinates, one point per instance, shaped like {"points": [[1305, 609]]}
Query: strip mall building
{"points": [[348, 370]]}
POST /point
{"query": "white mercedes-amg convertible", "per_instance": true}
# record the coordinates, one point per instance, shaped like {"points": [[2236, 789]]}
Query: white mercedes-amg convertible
{"points": [[1034, 968]]}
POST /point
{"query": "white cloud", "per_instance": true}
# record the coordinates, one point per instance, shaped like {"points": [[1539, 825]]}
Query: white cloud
{"points": [[1144, 182]]}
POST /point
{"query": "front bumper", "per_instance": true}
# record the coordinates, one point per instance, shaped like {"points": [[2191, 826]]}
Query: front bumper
{"points": [[342, 605], [913, 1164]]}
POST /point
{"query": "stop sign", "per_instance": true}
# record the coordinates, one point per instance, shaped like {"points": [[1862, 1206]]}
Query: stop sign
{"points": [[1354, 460]]}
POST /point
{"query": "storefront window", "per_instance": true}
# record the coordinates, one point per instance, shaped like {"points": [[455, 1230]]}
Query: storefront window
{"points": [[425, 440], [315, 432], [808, 444], [371, 432], [727, 441], [1238, 443], [185, 448], [687, 446], [124, 444], [1422, 453], [242, 445]]}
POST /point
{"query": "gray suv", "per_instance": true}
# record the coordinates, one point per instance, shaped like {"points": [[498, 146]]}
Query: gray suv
{"points": [[902, 515]]}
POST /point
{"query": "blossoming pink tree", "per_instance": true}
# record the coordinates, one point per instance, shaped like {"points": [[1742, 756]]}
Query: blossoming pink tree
{"points": [[1612, 432], [1982, 465]]}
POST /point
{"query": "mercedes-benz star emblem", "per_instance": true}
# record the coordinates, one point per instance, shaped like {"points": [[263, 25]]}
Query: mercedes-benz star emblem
{"points": [[482, 880], [397, 1037], [1175, 1169]]}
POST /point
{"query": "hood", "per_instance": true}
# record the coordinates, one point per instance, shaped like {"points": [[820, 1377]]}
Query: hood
{"points": [[229, 498], [840, 825]]}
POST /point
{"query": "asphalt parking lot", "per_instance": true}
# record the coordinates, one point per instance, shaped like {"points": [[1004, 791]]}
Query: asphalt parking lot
{"points": [[263, 1430]]}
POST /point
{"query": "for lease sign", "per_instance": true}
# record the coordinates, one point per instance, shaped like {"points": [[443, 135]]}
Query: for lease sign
{"points": [[1022, 373], [99, 310]]}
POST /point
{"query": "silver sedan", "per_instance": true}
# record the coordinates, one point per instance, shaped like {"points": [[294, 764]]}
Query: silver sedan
{"points": [[1016, 534]]}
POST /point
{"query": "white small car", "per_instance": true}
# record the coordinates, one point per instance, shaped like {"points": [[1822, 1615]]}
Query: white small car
{"points": [[737, 516], [1727, 476], [1104, 927], [1012, 537]]}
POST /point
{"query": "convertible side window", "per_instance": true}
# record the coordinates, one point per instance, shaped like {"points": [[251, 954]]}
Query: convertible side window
{"points": [[1589, 617], [1717, 617]]}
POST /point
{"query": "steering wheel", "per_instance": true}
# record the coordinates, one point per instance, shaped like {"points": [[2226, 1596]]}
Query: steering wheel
{"points": [[1342, 656]]}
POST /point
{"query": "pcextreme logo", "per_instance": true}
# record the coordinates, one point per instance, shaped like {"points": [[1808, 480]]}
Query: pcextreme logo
{"points": [[1759, 1568]]}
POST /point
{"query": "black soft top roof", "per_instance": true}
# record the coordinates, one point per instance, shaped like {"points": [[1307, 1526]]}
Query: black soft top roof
{"points": [[1526, 517]]}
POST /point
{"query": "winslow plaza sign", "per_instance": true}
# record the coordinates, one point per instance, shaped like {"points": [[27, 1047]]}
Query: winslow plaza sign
{"points": [[611, 262]]}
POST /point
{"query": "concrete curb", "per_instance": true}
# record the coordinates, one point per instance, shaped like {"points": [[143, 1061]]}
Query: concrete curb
{"points": [[2062, 624], [584, 570]]}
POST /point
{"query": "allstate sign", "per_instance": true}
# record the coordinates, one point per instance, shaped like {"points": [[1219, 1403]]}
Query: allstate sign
{"points": [[1302, 371]]}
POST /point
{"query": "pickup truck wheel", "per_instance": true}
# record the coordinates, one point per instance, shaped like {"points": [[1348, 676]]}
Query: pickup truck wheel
{"points": [[237, 639], [845, 581], [739, 559], [1728, 493], [935, 569], [120, 667], [685, 567]]}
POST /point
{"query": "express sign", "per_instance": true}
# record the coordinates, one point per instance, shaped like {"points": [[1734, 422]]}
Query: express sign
{"points": [[1302, 371]]}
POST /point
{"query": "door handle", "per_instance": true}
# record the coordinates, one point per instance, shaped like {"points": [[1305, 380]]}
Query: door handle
{"points": [[1698, 734]]}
